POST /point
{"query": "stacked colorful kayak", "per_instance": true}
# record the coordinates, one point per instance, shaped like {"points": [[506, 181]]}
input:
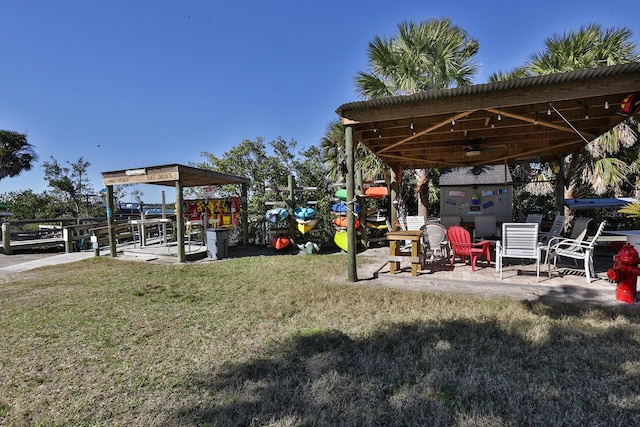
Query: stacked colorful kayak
{"points": [[340, 239], [276, 215], [341, 208], [377, 220], [280, 242], [376, 192], [341, 194], [341, 222], [305, 218]]}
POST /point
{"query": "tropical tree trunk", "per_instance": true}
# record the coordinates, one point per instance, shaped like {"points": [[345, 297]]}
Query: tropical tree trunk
{"points": [[422, 192]]}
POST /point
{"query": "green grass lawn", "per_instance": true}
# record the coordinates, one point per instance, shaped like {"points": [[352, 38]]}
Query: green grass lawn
{"points": [[287, 341]]}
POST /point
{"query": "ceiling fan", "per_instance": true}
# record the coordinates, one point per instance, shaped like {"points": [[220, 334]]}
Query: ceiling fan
{"points": [[476, 147]]}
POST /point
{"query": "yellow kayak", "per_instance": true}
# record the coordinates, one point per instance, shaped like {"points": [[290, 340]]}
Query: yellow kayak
{"points": [[340, 238], [304, 226]]}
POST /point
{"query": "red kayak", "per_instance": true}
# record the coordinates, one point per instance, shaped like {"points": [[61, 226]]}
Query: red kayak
{"points": [[280, 242]]}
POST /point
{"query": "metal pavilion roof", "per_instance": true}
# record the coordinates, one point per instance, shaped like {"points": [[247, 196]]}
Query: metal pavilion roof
{"points": [[541, 118]]}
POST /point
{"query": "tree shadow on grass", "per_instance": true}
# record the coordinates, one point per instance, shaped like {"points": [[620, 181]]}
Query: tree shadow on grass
{"points": [[439, 373]]}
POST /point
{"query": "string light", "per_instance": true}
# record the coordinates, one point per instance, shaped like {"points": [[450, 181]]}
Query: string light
{"points": [[606, 105], [535, 121], [586, 112], [549, 112], [453, 121], [499, 116]]}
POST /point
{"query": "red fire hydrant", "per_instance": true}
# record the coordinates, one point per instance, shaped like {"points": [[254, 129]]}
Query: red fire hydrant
{"points": [[625, 272]]}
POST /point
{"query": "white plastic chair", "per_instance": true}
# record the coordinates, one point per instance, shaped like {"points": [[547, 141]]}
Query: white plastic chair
{"points": [[555, 231], [577, 249], [519, 240], [537, 218], [485, 227], [435, 243], [415, 222]]}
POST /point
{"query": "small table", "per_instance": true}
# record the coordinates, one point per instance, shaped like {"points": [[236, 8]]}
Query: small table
{"points": [[139, 225], [397, 255]]}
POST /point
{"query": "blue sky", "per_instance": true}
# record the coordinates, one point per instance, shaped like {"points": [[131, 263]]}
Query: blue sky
{"points": [[127, 84]]}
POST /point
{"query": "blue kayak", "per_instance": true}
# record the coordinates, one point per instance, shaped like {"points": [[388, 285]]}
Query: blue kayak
{"points": [[304, 213], [276, 215], [341, 208]]}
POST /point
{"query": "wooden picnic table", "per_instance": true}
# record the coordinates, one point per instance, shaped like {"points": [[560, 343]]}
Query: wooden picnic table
{"points": [[397, 254]]}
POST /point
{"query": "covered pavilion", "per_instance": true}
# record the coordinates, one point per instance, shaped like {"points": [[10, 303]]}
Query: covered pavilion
{"points": [[177, 176], [541, 118]]}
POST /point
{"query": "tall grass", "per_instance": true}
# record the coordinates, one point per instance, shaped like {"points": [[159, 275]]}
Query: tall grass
{"points": [[287, 341]]}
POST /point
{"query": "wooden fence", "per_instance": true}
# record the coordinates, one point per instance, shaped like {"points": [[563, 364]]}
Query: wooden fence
{"points": [[74, 235]]}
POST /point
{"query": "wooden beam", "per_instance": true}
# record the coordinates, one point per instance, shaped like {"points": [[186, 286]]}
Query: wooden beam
{"points": [[428, 130]]}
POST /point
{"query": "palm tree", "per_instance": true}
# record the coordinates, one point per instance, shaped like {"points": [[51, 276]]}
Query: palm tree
{"points": [[606, 163], [333, 148], [16, 154], [591, 46], [433, 54]]}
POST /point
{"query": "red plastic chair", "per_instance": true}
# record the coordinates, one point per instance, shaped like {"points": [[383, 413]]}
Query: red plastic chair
{"points": [[462, 247]]}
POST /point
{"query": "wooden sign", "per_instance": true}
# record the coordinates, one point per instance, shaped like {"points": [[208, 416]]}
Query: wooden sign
{"points": [[141, 179]]}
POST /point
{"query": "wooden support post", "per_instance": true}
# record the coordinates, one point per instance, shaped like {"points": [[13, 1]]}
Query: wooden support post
{"points": [[245, 215], [393, 194], [292, 205], [559, 190], [182, 257], [292, 188], [6, 237], [67, 236], [363, 207], [352, 272], [110, 222]]}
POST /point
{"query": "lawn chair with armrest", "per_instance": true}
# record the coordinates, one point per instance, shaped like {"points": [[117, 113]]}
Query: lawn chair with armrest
{"points": [[577, 249], [435, 243], [461, 246], [519, 240], [555, 231], [537, 218], [485, 227]]}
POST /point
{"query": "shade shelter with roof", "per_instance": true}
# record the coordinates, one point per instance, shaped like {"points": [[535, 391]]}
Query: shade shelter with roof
{"points": [[541, 118], [179, 177]]}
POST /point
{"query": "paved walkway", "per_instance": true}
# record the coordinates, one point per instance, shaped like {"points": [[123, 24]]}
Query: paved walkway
{"points": [[18, 263]]}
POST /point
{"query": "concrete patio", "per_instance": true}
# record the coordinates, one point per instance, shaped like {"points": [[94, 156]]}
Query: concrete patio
{"points": [[566, 284]]}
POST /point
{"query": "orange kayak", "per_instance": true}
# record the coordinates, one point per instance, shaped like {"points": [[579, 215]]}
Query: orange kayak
{"points": [[376, 192], [341, 221]]}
